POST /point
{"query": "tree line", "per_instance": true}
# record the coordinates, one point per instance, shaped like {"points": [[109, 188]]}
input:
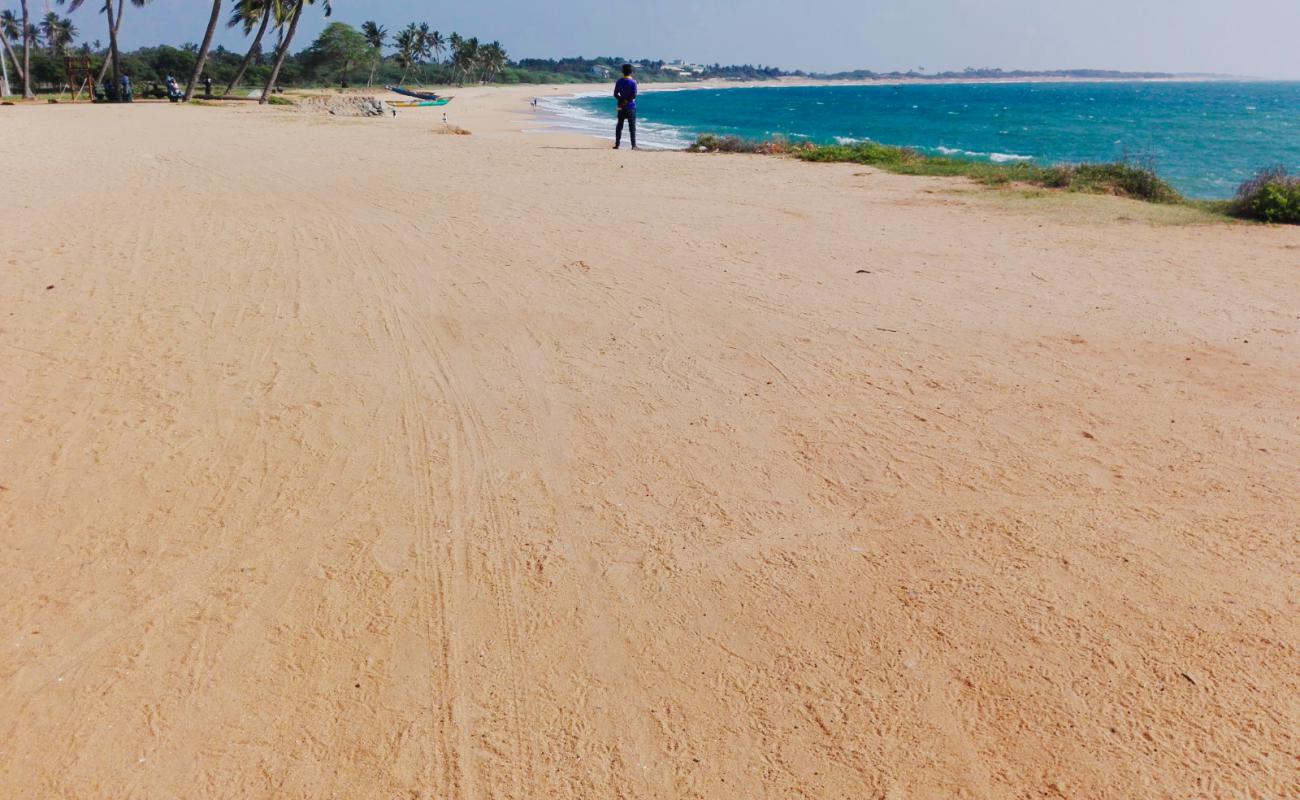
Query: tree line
{"points": [[342, 54], [36, 50]]}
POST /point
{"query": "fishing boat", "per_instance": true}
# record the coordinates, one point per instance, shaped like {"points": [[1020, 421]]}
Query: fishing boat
{"points": [[413, 93], [441, 101]]}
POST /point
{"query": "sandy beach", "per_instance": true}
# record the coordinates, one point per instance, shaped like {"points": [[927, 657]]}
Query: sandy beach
{"points": [[340, 458]]}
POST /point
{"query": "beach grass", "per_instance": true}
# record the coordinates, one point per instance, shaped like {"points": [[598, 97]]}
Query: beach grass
{"points": [[1116, 178], [1271, 196]]}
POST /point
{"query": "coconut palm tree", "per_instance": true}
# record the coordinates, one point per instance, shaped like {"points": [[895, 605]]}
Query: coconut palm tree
{"points": [[201, 61], [251, 14], [298, 7], [11, 30], [407, 43], [5, 91], [25, 32], [117, 26], [465, 59], [58, 32], [376, 36], [437, 45], [115, 57], [494, 60]]}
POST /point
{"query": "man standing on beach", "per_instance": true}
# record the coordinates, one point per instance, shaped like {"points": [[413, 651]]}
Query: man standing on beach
{"points": [[625, 94]]}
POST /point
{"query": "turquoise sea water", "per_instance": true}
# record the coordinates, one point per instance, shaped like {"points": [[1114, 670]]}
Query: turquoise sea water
{"points": [[1205, 138]]}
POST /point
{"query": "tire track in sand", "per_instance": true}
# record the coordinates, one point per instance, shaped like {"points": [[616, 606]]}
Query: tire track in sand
{"points": [[438, 558]]}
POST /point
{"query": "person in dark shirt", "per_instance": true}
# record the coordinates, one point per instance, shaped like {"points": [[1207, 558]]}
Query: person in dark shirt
{"points": [[625, 94]]}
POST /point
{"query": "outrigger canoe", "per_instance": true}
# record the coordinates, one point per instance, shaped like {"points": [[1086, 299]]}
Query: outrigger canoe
{"points": [[413, 93], [441, 101]]}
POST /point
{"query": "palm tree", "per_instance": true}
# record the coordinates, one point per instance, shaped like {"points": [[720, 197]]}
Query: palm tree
{"points": [[437, 45], [298, 7], [115, 56], [250, 14], [58, 32], [11, 30], [407, 43], [202, 59], [117, 26], [5, 91], [376, 36], [465, 59], [28, 36], [454, 42], [494, 59], [49, 29]]}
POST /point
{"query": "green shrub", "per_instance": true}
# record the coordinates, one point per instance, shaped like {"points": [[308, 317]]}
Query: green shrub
{"points": [[709, 143], [1271, 196], [279, 100], [1124, 180]]}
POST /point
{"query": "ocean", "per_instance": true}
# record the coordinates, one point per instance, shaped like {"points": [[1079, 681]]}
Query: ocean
{"points": [[1203, 137]]}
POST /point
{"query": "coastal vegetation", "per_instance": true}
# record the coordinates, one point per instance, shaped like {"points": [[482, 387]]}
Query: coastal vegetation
{"points": [[342, 55], [1271, 196]]}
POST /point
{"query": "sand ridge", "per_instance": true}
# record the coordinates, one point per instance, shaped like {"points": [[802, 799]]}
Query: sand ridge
{"points": [[345, 459]]}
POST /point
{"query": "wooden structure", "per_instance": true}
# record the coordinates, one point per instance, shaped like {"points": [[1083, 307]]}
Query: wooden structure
{"points": [[81, 78]]}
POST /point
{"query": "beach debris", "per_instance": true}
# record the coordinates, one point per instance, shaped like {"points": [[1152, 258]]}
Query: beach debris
{"points": [[451, 130], [863, 272], [51, 286], [1087, 435]]}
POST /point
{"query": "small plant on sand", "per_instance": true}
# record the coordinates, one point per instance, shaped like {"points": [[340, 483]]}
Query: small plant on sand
{"points": [[1271, 196], [1122, 179], [709, 143], [279, 100]]}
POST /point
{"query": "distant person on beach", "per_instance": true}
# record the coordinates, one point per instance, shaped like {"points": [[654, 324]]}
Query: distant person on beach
{"points": [[127, 93], [207, 85], [625, 94]]}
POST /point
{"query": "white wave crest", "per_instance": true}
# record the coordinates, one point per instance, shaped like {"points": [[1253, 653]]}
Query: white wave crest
{"points": [[997, 158]]}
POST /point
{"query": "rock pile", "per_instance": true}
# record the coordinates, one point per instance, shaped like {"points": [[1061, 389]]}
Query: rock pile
{"points": [[345, 106]]}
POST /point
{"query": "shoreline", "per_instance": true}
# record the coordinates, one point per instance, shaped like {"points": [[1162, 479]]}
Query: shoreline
{"points": [[1215, 180]]}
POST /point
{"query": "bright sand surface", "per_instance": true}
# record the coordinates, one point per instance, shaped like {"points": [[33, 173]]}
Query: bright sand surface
{"points": [[341, 459]]}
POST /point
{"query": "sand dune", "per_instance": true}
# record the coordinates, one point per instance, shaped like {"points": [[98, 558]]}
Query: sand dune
{"points": [[342, 459]]}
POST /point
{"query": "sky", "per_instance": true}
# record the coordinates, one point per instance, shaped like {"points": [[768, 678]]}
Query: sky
{"points": [[1245, 37]]}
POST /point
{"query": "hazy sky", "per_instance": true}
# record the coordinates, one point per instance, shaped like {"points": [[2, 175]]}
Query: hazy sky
{"points": [[1245, 37]]}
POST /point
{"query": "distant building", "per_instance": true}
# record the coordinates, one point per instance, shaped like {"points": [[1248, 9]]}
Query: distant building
{"points": [[601, 71]]}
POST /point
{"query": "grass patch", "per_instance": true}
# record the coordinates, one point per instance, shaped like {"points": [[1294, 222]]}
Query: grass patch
{"points": [[1271, 196], [1119, 179], [279, 100]]}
